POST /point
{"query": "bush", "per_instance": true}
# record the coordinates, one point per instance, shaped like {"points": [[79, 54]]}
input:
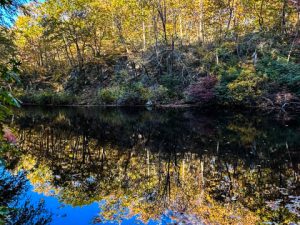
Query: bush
{"points": [[223, 95], [63, 98], [159, 93], [172, 83], [140, 91], [121, 76], [282, 72], [111, 95], [229, 74], [203, 90], [139, 94], [135, 94], [247, 86]]}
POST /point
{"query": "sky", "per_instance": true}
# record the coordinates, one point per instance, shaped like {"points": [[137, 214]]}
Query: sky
{"points": [[9, 14]]}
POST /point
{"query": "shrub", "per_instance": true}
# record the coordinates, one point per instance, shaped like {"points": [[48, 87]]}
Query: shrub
{"points": [[138, 90], [247, 86], [132, 94], [230, 74], [159, 94], [135, 94], [203, 90], [121, 76], [63, 98], [282, 72], [111, 94], [223, 94], [172, 82]]}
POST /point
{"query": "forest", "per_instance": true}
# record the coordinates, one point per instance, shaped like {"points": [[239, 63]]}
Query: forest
{"points": [[220, 53], [215, 139]]}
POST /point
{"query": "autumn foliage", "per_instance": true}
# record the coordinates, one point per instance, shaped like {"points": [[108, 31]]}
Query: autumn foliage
{"points": [[9, 136], [203, 90]]}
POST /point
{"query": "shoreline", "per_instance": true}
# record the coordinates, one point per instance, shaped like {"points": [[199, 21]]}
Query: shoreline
{"points": [[175, 106]]}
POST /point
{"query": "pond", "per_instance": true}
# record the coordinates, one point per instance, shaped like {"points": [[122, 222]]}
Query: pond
{"points": [[155, 166]]}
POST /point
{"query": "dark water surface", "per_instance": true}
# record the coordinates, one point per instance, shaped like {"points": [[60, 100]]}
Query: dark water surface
{"points": [[171, 166]]}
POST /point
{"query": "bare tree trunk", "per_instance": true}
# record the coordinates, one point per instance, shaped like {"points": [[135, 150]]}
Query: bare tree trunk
{"points": [[231, 4], [162, 12], [296, 35], [78, 50], [183, 169], [201, 22], [148, 162], [201, 181], [181, 30], [144, 36], [283, 17], [261, 19]]}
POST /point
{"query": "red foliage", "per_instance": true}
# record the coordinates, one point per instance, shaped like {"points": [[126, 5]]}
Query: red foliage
{"points": [[203, 89], [9, 136]]}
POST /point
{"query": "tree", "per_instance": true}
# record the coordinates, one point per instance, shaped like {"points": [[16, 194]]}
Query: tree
{"points": [[9, 66]]}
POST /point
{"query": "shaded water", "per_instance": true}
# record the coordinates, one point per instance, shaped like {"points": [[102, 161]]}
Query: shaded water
{"points": [[183, 166]]}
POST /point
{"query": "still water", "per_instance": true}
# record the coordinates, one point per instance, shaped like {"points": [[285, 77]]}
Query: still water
{"points": [[166, 166]]}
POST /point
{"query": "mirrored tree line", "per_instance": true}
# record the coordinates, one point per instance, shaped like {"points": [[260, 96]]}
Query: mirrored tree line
{"points": [[145, 168]]}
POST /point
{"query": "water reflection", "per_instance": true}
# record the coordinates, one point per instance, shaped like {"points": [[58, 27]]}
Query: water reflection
{"points": [[171, 165], [15, 207]]}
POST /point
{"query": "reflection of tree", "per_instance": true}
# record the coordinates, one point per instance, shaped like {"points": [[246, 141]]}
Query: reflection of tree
{"points": [[222, 172], [14, 212]]}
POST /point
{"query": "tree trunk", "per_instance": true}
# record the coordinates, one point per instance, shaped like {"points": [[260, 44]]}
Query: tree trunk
{"points": [[283, 17], [261, 19], [201, 22]]}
